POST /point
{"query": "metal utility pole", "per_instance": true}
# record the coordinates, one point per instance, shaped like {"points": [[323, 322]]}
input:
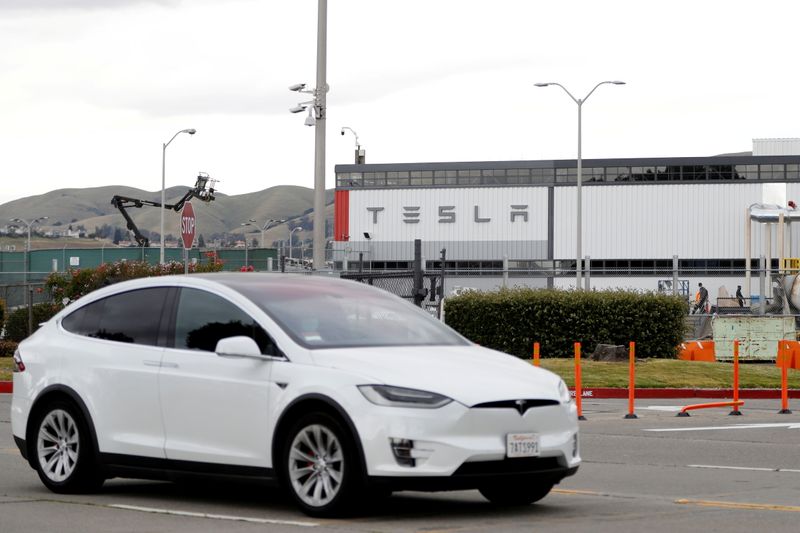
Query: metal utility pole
{"points": [[319, 138]]}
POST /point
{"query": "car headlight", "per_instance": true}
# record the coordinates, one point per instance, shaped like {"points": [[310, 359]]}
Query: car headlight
{"points": [[389, 396], [563, 392]]}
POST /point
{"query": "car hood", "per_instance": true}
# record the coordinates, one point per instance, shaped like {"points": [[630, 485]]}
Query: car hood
{"points": [[467, 374]]}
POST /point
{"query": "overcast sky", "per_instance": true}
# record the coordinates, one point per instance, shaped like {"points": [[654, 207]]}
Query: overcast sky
{"points": [[90, 89]]}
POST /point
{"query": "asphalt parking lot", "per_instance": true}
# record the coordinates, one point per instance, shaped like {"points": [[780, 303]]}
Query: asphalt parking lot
{"points": [[709, 472]]}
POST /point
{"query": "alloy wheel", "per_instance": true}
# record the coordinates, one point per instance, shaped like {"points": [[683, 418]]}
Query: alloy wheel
{"points": [[58, 445], [316, 465]]}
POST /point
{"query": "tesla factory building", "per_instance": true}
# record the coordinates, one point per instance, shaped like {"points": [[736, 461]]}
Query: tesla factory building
{"points": [[646, 222]]}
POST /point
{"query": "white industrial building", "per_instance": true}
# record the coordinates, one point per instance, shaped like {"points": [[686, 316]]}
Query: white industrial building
{"points": [[642, 218]]}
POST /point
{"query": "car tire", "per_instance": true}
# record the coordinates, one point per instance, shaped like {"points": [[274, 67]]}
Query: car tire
{"points": [[62, 450], [321, 467], [515, 493]]}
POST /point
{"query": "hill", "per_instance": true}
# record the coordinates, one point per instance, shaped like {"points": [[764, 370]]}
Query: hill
{"points": [[91, 208]]}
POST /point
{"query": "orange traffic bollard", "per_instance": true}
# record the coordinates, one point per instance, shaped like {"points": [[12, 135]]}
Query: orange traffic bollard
{"points": [[535, 354], [578, 388], [632, 381], [735, 411], [784, 355]]}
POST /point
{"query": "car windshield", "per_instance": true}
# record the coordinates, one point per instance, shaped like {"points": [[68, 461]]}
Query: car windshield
{"points": [[319, 314]]}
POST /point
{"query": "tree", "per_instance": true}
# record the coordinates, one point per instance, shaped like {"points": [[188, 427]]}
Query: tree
{"points": [[117, 235], [201, 242]]}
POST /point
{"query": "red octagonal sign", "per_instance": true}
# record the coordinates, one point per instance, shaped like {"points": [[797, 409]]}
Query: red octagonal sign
{"points": [[187, 225]]}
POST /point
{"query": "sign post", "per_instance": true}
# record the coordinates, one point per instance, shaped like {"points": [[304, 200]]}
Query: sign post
{"points": [[188, 227]]}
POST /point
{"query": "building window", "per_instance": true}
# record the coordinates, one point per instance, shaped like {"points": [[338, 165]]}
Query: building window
{"points": [[618, 174], [746, 172], [772, 172], [566, 175]]}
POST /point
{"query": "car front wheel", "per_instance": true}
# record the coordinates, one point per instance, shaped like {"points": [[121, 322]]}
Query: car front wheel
{"points": [[515, 494], [63, 455], [321, 466]]}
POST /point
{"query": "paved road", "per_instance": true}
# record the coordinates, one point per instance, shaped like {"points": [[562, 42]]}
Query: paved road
{"points": [[708, 472]]}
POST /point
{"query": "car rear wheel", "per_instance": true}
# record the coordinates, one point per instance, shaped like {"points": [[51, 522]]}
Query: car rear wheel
{"points": [[515, 493], [321, 467], [63, 456]]}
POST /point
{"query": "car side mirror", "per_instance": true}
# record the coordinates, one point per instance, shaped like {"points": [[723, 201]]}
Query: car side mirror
{"points": [[239, 346]]}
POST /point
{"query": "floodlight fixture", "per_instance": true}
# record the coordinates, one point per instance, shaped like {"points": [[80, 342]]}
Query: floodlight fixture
{"points": [[310, 120], [299, 108], [297, 87]]}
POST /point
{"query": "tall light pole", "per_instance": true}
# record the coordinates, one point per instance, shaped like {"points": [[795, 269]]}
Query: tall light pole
{"points": [[290, 239], [245, 239], [26, 267], [317, 117], [267, 225], [578, 207], [190, 131]]}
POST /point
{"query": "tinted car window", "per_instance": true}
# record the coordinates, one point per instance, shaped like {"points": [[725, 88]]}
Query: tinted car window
{"points": [[204, 318], [320, 314], [131, 317]]}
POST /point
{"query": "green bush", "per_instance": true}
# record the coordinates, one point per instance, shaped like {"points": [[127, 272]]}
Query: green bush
{"points": [[79, 282], [7, 348], [17, 323], [511, 320]]}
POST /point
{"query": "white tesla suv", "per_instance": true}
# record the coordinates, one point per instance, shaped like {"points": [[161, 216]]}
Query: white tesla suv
{"points": [[331, 388]]}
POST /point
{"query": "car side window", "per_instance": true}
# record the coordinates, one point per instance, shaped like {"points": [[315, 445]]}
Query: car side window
{"points": [[131, 317], [204, 318]]}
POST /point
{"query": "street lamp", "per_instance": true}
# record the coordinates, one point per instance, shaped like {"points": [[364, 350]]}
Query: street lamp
{"points": [[245, 240], [290, 239], [190, 131], [317, 118], [26, 267], [578, 209], [267, 225]]}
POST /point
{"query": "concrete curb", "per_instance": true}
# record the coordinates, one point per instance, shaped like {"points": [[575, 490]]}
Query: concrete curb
{"points": [[607, 392], [752, 394]]}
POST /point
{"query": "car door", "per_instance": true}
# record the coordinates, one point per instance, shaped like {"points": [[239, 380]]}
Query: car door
{"points": [[215, 408], [112, 357]]}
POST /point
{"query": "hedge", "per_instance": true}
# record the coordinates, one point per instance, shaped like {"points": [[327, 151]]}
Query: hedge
{"points": [[7, 348], [511, 320], [79, 282], [17, 322]]}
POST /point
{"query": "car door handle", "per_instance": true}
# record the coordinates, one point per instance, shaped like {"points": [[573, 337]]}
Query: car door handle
{"points": [[161, 364]]}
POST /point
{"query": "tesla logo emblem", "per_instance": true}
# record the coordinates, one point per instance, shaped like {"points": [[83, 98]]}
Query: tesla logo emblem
{"points": [[521, 406]]}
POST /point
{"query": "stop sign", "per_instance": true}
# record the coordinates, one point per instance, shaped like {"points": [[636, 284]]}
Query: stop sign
{"points": [[187, 225]]}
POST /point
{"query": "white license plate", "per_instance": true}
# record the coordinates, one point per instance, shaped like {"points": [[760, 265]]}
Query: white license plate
{"points": [[522, 445]]}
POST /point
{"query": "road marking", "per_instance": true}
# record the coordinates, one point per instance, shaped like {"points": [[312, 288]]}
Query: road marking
{"points": [[789, 425], [734, 505], [667, 408], [214, 516], [9, 451], [752, 468]]}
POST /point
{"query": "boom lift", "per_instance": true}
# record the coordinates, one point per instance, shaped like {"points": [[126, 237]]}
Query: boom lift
{"points": [[203, 190]]}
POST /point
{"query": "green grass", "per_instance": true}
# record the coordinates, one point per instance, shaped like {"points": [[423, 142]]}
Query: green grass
{"points": [[5, 368], [650, 373], [672, 373]]}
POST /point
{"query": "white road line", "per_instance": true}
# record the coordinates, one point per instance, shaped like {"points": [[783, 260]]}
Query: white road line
{"points": [[752, 468], [214, 516], [789, 425]]}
